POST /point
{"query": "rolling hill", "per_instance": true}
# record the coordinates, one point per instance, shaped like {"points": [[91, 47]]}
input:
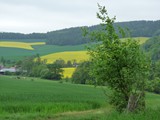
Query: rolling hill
{"points": [[18, 50], [17, 53], [70, 39]]}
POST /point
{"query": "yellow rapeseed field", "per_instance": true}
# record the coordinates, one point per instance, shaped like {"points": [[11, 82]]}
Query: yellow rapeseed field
{"points": [[21, 45], [67, 73], [79, 56]]}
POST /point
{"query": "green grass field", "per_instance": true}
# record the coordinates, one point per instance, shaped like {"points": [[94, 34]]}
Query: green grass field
{"points": [[36, 99], [30, 97]]}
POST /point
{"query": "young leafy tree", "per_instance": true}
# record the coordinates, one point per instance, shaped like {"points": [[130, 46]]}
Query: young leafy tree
{"points": [[81, 74], [119, 64], [54, 72], [3, 61]]}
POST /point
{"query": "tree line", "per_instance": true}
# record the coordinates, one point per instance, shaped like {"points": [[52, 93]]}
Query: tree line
{"points": [[74, 36], [13, 36], [34, 66]]}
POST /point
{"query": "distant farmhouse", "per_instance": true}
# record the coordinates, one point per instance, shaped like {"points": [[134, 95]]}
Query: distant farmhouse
{"points": [[3, 70]]}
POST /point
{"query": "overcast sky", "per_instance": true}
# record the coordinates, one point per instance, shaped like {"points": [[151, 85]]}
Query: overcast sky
{"points": [[27, 16]]}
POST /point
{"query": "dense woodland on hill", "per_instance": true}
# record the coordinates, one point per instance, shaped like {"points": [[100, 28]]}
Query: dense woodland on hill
{"points": [[73, 36]]}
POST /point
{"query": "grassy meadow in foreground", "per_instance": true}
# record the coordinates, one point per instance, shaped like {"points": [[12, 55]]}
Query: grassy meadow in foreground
{"points": [[36, 99], [33, 96]]}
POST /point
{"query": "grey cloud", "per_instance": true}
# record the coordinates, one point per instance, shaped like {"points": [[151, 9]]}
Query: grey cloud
{"points": [[46, 15]]}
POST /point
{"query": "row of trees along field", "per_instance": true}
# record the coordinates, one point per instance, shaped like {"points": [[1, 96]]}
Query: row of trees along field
{"points": [[6, 62], [73, 36], [34, 66], [13, 36]]}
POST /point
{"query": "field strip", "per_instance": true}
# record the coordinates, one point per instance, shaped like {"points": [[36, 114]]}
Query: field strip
{"points": [[21, 45], [37, 43], [81, 113], [77, 56], [141, 40]]}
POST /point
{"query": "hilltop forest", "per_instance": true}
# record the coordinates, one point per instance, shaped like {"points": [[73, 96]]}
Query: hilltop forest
{"points": [[73, 36]]}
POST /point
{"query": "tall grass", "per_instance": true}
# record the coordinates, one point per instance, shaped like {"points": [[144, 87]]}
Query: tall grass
{"points": [[148, 114], [36, 99], [27, 96]]}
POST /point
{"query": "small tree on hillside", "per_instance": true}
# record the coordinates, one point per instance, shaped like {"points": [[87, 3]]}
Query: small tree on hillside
{"points": [[120, 65]]}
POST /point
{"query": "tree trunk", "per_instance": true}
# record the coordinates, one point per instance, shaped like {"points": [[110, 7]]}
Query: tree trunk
{"points": [[136, 101], [132, 103]]}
